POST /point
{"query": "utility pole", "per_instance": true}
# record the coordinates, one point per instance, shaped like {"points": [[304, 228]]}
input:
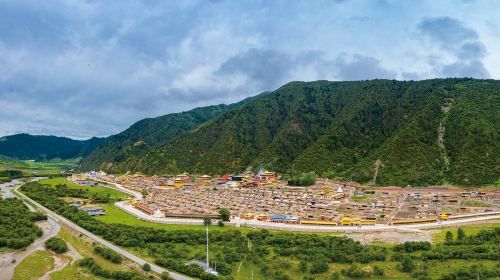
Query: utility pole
{"points": [[208, 265]]}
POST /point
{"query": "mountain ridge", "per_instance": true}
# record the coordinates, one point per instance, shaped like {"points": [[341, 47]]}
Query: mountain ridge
{"points": [[383, 132], [45, 147]]}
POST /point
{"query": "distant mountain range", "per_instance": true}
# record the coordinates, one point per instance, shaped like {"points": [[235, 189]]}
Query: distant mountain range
{"points": [[36, 147], [382, 132]]}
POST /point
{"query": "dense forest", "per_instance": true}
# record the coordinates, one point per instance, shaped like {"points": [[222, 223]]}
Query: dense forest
{"points": [[35, 147], [383, 132], [122, 151], [283, 255], [17, 224]]}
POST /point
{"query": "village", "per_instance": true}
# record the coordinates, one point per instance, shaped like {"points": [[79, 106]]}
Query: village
{"points": [[265, 197]]}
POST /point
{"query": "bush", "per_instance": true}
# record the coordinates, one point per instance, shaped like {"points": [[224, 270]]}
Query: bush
{"points": [[146, 267], [305, 180], [319, 265], [460, 234], [57, 245], [407, 264], [377, 270], [224, 214], [221, 223], [165, 276], [108, 254], [303, 266], [412, 246]]}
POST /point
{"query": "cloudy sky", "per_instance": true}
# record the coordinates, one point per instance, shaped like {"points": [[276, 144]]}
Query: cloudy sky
{"points": [[92, 68]]}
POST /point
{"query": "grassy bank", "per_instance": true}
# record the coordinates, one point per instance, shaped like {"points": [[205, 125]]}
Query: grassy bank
{"points": [[35, 265]]}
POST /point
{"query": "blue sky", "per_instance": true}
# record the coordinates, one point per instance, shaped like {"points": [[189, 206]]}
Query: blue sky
{"points": [[92, 68]]}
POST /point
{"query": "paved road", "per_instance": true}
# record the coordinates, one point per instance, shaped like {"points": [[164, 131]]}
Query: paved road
{"points": [[100, 240]]}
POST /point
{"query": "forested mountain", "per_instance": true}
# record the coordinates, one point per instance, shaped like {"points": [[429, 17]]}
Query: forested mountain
{"points": [[383, 131], [123, 150], [37, 147]]}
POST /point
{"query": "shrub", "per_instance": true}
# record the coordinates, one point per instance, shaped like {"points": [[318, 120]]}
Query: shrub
{"points": [[377, 270], [146, 267], [165, 276], [57, 245], [224, 214], [108, 254]]}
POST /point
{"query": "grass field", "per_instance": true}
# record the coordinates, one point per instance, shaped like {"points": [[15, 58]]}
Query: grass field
{"points": [[72, 272], [116, 215], [468, 229], [92, 190], [475, 203], [54, 166], [34, 266], [86, 249]]}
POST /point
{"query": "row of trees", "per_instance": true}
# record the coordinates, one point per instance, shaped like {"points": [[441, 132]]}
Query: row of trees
{"points": [[97, 270], [11, 174], [108, 254]]}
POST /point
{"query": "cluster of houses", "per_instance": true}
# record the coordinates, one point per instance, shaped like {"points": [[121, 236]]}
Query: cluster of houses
{"points": [[265, 197], [83, 205]]}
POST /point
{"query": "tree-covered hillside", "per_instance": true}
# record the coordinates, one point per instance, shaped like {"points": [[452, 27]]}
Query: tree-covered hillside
{"points": [[37, 147], [381, 132], [121, 152]]}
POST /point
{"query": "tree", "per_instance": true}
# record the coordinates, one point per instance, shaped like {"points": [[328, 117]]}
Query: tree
{"points": [[57, 245], [407, 264], [303, 266], [224, 214], [460, 234], [146, 267], [449, 237], [165, 276], [377, 270], [319, 265], [207, 221]]}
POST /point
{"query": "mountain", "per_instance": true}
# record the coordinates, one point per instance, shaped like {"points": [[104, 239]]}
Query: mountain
{"points": [[37, 147], [120, 152], [383, 132]]}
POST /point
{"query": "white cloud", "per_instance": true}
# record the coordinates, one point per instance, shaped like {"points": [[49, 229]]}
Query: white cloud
{"points": [[92, 68]]}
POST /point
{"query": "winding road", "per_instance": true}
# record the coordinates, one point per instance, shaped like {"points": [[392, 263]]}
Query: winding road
{"points": [[8, 261], [63, 221]]}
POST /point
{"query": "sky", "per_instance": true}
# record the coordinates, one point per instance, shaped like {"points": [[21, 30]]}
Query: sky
{"points": [[93, 68]]}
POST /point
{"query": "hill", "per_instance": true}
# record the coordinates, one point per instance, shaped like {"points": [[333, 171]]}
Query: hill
{"points": [[120, 152], [37, 147], [380, 132]]}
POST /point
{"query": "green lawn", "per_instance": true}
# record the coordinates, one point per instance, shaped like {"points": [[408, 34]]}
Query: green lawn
{"points": [[116, 215], [92, 190], [35, 265], [475, 203]]}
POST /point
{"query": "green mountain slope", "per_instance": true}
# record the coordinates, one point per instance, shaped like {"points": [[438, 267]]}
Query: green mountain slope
{"points": [[37, 147], [383, 132], [120, 152]]}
